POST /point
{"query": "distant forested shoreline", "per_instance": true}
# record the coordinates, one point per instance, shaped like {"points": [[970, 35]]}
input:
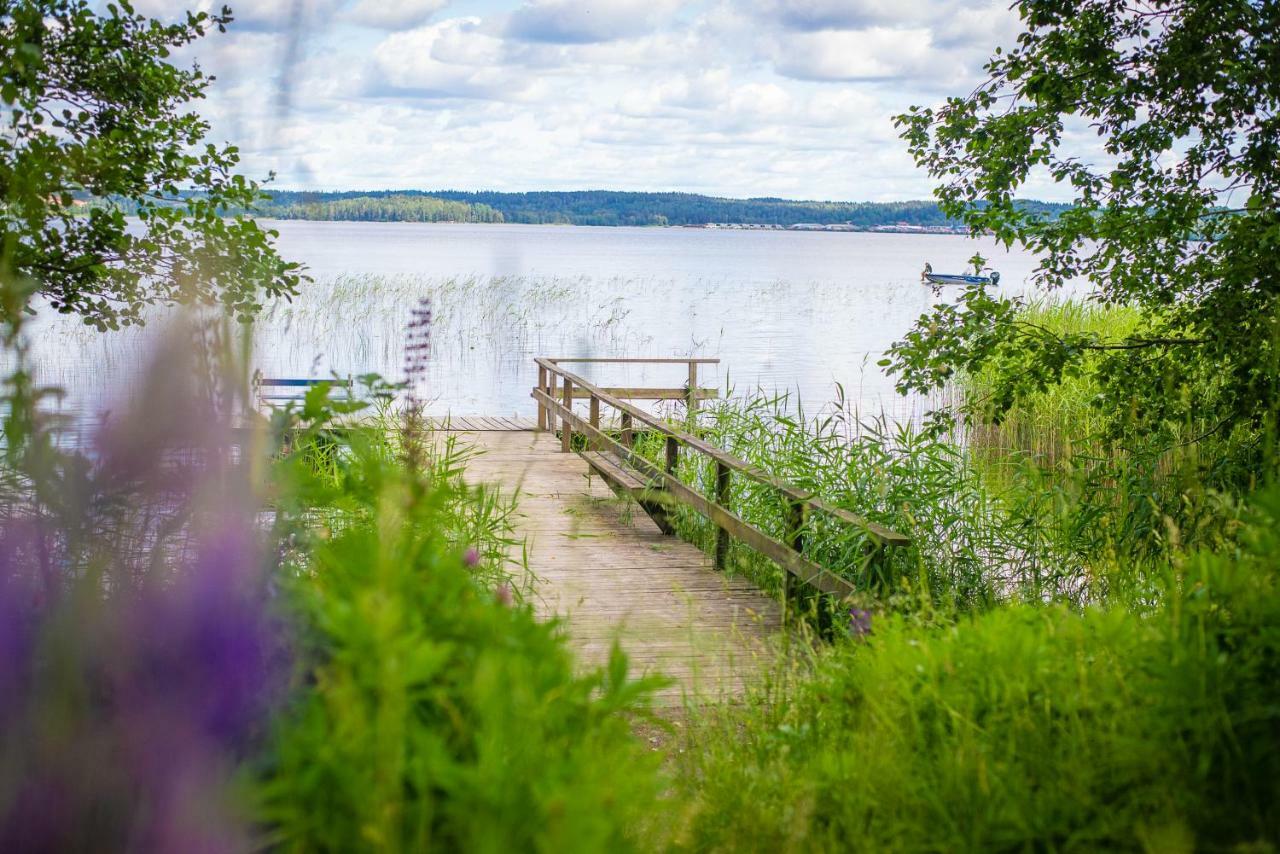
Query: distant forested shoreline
{"points": [[606, 208]]}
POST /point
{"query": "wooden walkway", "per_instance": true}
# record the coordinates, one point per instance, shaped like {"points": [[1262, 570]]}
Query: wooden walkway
{"points": [[481, 423], [602, 564]]}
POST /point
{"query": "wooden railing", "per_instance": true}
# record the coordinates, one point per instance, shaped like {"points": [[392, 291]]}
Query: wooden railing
{"points": [[549, 376], [557, 389]]}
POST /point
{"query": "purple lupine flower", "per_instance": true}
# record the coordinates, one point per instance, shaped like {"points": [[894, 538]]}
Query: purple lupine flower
{"points": [[417, 349], [138, 654], [859, 622]]}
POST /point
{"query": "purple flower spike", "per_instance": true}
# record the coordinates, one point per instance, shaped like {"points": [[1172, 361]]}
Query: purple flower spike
{"points": [[139, 655], [472, 557], [859, 622]]}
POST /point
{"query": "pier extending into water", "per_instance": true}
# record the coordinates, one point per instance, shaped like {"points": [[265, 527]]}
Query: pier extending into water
{"points": [[593, 519]]}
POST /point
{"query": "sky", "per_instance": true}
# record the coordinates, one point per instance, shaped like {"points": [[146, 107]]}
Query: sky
{"points": [[788, 98]]}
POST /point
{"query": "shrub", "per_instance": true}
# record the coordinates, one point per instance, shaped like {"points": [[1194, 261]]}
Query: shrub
{"points": [[433, 710], [1022, 727]]}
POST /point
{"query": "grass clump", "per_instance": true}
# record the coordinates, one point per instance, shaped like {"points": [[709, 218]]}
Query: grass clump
{"points": [[1124, 489], [1057, 423], [433, 709], [969, 547], [1021, 727]]}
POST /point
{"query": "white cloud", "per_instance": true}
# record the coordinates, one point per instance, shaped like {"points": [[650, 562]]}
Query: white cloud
{"points": [[842, 14], [790, 98], [454, 58], [587, 21], [394, 14], [845, 55]]}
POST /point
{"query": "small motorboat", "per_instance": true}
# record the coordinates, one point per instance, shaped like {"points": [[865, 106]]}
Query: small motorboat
{"points": [[931, 278]]}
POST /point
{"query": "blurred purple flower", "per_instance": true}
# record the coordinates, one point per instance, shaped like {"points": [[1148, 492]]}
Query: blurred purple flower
{"points": [[139, 657], [503, 595], [471, 558], [859, 622]]}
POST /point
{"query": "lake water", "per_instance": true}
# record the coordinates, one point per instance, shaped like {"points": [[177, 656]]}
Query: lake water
{"points": [[785, 311]]}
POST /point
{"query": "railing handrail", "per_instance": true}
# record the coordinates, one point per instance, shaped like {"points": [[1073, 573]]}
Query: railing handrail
{"points": [[795, 493]]}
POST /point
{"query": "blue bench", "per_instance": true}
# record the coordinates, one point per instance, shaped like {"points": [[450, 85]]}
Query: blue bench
{"points": [[274, 391]]}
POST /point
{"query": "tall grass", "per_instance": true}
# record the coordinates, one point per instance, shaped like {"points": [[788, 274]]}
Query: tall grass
{"points": [[1059, 423], [1020, 728], [1129, 493], [969, 546]]}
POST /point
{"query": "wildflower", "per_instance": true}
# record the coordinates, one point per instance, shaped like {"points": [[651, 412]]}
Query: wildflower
{"points": [[417, 350], [503, 595], [417, 354], [859, 622], [124, 705], [471, 558]]}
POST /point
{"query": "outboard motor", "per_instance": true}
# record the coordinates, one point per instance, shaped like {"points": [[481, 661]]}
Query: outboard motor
{"points": [[995, 278]]}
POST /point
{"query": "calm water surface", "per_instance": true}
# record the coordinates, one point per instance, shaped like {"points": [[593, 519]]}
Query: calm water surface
{"points": [[785, 311]]}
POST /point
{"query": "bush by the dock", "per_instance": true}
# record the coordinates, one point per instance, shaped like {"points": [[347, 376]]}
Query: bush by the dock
{"points": [[1024, 727], [301, 636], [432, 710]]}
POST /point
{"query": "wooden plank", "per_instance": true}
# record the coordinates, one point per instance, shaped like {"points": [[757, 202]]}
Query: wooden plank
{"points": [[637, 393], [633, 360], [566, 431], [722, 499], [611, 470], [611, 575]]}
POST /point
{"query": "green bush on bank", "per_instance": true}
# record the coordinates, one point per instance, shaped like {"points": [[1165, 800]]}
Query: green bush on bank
{"points": [[1127, 490], [432, 710], [1022, 727]]}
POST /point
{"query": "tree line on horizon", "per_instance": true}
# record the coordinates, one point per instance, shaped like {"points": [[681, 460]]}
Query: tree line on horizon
{"points": [[604, 208]]}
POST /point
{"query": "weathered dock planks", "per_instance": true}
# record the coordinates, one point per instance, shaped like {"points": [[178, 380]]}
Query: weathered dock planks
{"points": [[603, 565]]}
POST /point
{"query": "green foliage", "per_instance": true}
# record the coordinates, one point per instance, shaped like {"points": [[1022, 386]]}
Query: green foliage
{"points": [[1020, 728], [970, 547], [1184, 98], [433, 710], [93, 110], [388, 208], [1127, 493], [605, 207]]}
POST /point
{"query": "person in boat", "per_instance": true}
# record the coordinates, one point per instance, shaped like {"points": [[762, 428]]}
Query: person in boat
{"points": [[929, 278]]}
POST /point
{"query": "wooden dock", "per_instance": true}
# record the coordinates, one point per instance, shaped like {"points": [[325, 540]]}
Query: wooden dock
{"points": [[604, 566], [596, 531]]}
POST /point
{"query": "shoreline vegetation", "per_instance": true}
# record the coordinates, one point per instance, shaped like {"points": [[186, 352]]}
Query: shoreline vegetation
{"points": [[227, 625], [612, 208]]}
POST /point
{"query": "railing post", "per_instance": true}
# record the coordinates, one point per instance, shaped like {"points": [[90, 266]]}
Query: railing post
{"points": [[566, 426], [722, 498], [673, 454], [692, 403], [795, 539], [593, 442], [552, 386], [628, 437], [542, 387]]}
